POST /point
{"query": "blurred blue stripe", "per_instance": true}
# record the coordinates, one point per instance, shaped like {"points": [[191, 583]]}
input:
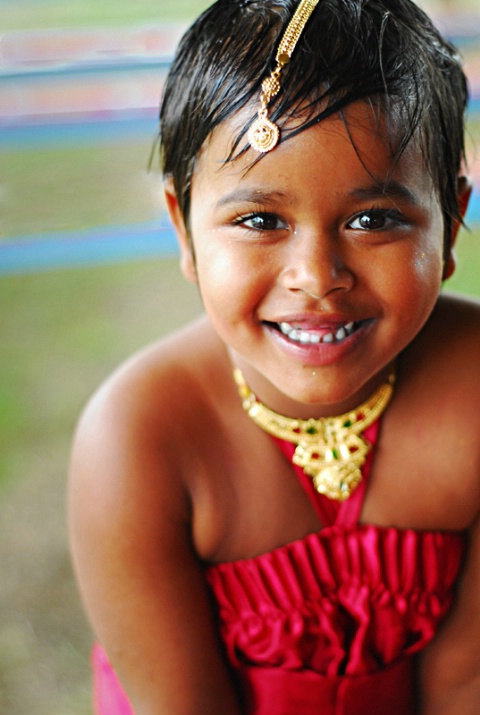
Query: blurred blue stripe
{"points": [[96, 127], [112, 244], [32, 254], [89, 129], [51, 72]]}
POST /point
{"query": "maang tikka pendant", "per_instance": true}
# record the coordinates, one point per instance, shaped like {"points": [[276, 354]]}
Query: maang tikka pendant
{"points": [[264, 134]]}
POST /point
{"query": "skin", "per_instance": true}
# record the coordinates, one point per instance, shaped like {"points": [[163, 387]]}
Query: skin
{"points": [[317, 270], [165, 472]]}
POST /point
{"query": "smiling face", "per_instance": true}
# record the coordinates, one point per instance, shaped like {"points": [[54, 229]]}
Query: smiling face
{"points": [[318, 264]]}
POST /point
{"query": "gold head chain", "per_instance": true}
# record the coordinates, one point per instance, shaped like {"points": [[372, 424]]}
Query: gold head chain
{"points": [[263, 135], [331, 450]]}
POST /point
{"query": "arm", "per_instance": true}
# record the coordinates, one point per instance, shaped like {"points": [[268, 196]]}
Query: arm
{"points": [[141, 582], [450, 667]]}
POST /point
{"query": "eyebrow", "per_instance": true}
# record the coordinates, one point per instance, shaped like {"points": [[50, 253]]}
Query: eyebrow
{"points": [[254, 196], [390, 189], [387, 189]]}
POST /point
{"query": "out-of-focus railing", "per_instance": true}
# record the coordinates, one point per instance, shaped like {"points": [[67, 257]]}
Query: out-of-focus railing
{"points": [[72, 86]]}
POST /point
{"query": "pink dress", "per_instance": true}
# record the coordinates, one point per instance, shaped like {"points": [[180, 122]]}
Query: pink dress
{"points": [[328, 624]]}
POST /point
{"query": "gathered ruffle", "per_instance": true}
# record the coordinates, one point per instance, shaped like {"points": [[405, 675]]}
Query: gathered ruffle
{"points": [[343, 601]]}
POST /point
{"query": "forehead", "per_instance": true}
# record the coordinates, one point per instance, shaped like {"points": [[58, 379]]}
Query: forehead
{"points": [[360, 145]]}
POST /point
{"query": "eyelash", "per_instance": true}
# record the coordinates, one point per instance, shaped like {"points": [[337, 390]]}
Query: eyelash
{"points": [[392, 215], [241, 220]]}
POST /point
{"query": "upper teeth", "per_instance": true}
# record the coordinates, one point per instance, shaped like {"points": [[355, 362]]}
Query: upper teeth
{"points": [[304, 336]]}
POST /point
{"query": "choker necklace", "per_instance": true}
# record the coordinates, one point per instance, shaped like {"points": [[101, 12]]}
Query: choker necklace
{"points": [[331, 450]]}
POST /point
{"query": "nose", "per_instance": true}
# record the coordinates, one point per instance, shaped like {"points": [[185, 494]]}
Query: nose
{"points": [[316, 265]]}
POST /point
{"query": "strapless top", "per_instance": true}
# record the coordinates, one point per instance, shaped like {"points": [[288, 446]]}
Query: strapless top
{"points": [[329, 624]]}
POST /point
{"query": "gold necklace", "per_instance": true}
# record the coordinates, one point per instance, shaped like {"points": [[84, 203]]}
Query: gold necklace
{"points": [[331, 450]]}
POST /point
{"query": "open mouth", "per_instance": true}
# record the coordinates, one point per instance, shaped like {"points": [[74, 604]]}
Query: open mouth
{"points": [[315, 337]]}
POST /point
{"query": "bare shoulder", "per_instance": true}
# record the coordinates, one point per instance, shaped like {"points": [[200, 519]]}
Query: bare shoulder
{"points": [[452, 350], [166, 365], [139, 455], [134, 420], [461, 316], [454, 337], [449, 345], [434, 423], [130, 516]]}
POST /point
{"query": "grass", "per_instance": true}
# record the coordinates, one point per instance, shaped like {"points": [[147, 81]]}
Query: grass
{"points": [[67, 187], [43, 14], [70, 187], [66, 330], [62, 334], [37, 14], [466, 279]]}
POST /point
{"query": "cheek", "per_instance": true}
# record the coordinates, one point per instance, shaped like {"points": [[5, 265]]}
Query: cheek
{"points": [[428, 256], [225, 265], [222, 282], [418, 288], [408, 280]]}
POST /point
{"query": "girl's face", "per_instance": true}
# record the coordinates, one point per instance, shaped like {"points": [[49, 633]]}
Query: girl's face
{"points": [[317, 265]]}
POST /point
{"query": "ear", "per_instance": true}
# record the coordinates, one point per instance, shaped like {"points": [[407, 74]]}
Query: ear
{"points": [[187, 258], [464, 193]]}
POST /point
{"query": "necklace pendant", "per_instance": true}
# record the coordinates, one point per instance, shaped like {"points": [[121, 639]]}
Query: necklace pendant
{"points": [[330, 450], [338, 481], [335, 470]]}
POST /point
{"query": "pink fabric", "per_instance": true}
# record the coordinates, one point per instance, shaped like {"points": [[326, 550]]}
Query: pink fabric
{"points": [[269, 691], [330, 511], [109, 696], [328, 624], [342, 602]]}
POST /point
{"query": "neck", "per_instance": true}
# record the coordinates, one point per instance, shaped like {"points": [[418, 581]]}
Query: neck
{"points": [[287, 405], [331, 450]]}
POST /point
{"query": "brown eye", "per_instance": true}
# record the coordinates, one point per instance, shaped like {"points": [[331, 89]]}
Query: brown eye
{"points": [[262, 222], [376, 220], [372, 221]]}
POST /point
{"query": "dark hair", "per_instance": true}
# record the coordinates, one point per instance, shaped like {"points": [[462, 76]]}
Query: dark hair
{"points": [[384, 51]]}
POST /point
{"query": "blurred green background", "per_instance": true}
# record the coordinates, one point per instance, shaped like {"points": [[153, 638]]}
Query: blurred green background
{"points": [[35, 14], [75, 137]]}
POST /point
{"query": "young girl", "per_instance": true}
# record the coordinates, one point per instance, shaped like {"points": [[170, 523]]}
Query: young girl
{"points": [[275, 511]]}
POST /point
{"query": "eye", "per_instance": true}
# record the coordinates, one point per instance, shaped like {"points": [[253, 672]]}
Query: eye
{"points": [[376, 220], [261, 222]]}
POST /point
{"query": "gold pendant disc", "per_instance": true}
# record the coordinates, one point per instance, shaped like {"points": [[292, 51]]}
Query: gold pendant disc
{"points": [[263, 135]]}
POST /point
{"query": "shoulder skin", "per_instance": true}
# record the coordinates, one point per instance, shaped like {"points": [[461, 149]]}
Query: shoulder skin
{"points": [[130, 509]]}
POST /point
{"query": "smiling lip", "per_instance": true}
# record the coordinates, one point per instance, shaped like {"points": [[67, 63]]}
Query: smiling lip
{"points": [[324, 343], [313, 336]]}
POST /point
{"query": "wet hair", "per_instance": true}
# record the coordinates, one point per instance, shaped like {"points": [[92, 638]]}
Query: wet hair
{"points": [[386, 52]]}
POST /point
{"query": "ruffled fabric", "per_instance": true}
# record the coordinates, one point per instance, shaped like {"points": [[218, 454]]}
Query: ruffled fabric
{"points": [[326, 625], [344, 601], [329, 624]]}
